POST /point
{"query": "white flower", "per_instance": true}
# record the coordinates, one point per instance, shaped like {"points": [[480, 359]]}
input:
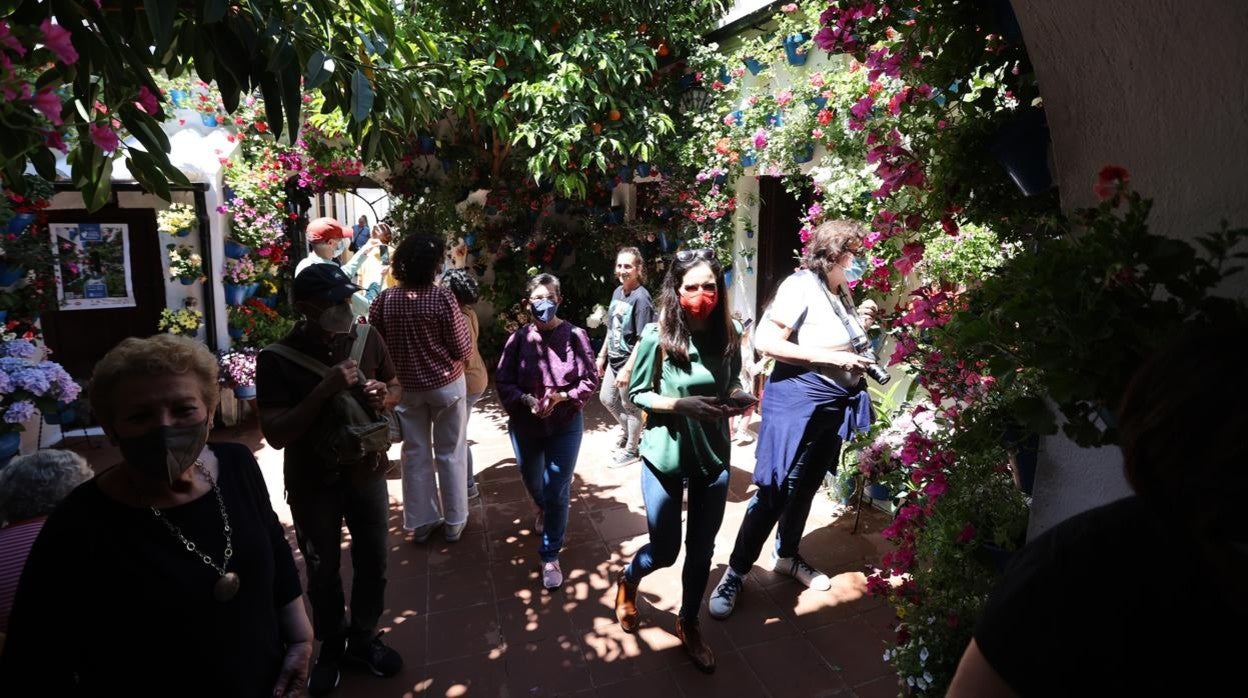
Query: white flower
{"points": [[927, 677], [923, 655], [886, 657], [909, 680], [921, 684]]}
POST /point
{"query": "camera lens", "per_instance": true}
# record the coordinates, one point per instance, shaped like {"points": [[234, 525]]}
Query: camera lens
{"points": [[880, 375]]}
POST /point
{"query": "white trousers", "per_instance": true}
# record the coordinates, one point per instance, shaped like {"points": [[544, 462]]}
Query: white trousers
{"points": [[435, 455]]}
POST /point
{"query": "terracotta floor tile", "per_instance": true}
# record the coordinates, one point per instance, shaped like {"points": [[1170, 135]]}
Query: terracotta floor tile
{"points": [[507, 489], [614, 655], [852, 647], [733, 678], [406, 597], [451, 590], [550, 667], [883, 687], [883, 620], [791, 667], [470, 552], [477, 675], [810, 609], [618, 523], [520, 576], [757, 619], [660, 684], [467, 631]]}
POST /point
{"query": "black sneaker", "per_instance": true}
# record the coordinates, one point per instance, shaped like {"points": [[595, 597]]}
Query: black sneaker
{"points": [[372, 654], [326, 673]]}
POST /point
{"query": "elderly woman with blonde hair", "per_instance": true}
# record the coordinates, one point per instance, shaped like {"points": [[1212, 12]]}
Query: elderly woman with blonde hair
{"points": [[168, 572]]}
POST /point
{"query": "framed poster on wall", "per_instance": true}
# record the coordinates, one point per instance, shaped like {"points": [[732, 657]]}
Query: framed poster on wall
{"points": [[92, 265]]}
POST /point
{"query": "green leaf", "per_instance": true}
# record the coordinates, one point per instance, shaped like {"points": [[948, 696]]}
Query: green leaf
{"points": [[320, 68], [214, 10], [160, 16], [362, 96], [145, 170]]}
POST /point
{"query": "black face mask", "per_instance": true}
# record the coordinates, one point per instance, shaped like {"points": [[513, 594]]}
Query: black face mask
{"points": [[164, 453]]}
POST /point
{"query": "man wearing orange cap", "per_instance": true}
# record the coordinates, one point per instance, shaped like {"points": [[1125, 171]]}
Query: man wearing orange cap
{"points": [[327, 239]]}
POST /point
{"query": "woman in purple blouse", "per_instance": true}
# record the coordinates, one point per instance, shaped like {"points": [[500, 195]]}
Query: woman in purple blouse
{"points": [[544, 377]]}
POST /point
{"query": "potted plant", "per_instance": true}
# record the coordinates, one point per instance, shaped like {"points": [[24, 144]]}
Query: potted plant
{"points": [[185, 321], [236, 277], [237, 370], [176, 220], [206, 100], [240, 320], [185, 264], [28, 383]]}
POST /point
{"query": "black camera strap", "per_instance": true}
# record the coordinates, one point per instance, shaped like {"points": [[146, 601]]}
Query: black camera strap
{"points": [[852, 327]]}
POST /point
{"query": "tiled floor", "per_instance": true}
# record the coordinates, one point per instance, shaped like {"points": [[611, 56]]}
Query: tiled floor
{"points": [[471, 618]]}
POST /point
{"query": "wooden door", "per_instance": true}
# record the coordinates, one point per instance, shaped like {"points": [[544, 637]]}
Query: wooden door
{"points": [[80, 338], [779, 242]]}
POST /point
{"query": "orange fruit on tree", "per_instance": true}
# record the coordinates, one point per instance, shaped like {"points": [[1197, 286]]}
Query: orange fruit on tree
{"points": [[641, 28], [614, 115], [500, 62], [596, 128], [663, 49]]}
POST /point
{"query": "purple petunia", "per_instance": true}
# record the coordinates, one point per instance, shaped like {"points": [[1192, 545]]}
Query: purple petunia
{"points": [[19, 412]]}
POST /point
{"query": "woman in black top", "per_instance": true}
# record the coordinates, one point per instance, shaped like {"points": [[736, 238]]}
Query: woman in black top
{"points": [[114, 601]]}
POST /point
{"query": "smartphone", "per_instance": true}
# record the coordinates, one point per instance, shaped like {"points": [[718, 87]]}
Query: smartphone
{"points": [[740, 401], [385, 254]]}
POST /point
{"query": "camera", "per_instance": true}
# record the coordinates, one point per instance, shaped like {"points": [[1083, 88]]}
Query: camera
{"points": [[862, 347]]}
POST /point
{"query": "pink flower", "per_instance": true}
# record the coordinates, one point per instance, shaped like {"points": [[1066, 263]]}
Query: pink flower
{"points": [[104, 137], [817, 80], [9, 41], [760, 139], [967, 533], [49, 104], [1111, 182], [784, 98], [817, 133], [54, 140], [789, 8], [148, 102], [57, 39], [730, 120]]}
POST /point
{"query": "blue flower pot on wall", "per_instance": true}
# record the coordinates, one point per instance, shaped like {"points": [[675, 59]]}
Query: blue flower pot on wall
{"points": [[251, 290], [10, 275], [245, 392], [625, 173], [775, 120], [817, 102], [724, 77], [643, 169], [688, 80], [63, 414], [177, 98], [269, 301], [792, 43], [208, 120], [20, 222], [728, 278], [235, 332], [233, 250], [428, 145], [10, 444], [749, 159], [754, 66], [4, 316], [877, 491], [234, 294], [805, 155], [187, 282], [1022, 147], [183, 232]]}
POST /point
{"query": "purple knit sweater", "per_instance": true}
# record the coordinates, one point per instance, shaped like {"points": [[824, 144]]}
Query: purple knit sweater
{"points": [[539, 363]]}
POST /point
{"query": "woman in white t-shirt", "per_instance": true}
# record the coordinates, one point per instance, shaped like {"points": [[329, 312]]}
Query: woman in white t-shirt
{"points": [[815, 399]]}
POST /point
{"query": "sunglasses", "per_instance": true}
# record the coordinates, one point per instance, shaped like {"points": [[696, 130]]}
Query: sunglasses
{"points": [[705, 254]]}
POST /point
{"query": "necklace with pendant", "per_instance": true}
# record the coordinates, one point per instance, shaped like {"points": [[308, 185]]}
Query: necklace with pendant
{"points": [[226, 586]]}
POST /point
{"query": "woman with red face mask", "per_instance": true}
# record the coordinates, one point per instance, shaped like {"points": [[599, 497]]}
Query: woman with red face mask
{"points": [[686, 376], [815, 399]]}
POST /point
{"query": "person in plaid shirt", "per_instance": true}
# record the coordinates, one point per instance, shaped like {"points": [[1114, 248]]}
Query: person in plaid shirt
{"points": [[429, 343]]}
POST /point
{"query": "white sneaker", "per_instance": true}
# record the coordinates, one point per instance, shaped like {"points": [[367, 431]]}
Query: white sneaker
{"points": [[454, 532], [552, 576], [724, 599], [623, 458], [422, 533], [797, 568]]}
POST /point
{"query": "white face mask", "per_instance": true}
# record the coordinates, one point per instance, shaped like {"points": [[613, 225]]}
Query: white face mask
{"points": [[340, 248], [337, 319]]}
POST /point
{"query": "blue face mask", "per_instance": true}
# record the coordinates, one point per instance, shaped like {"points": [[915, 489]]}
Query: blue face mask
{"points": [[544, 310], [855, 270]]}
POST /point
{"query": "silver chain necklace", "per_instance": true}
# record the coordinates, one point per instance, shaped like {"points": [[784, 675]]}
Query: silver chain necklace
{"points": [[226, 587]]}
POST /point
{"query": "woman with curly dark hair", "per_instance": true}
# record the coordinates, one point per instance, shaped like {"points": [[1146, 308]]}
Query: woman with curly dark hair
{"points": [[686, 376], [429, 341]]}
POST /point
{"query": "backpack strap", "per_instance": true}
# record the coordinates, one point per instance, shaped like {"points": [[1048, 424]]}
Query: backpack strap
{"points": [[357, 348], [298, 358]]}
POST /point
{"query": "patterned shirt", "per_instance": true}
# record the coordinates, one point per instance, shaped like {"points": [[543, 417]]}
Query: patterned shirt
{"points": [[425, 332]]}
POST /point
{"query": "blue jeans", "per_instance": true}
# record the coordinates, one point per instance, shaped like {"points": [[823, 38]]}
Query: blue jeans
{"points": [[546, 464], [469, 402], [789, 504], [663, 494]]}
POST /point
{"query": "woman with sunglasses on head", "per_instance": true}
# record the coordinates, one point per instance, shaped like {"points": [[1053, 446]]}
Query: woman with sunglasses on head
{"points": [[686, 376], [544, 377], [815, 399]]}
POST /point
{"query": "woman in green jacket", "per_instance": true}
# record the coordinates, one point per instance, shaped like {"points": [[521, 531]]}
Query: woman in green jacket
{"points": [[686, 378]]}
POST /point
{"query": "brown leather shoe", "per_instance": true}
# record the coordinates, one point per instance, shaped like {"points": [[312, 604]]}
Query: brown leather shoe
{"points": [[626, 605], [690, 635]]}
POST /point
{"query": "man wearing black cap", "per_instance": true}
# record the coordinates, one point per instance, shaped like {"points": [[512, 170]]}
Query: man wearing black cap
{"points": [[295, 408]]}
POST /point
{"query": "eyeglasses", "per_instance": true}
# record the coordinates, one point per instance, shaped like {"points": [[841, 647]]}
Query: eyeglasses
{"points": [[687, 256]]}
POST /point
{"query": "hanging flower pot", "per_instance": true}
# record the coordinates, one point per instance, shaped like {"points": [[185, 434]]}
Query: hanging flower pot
{"points": [[805, 155], [20, 222], [1022, 147], [4, 316], [236, 332], [792, 49], [817, 103], [234, 294], [63, 414], [10, 275], [244, 392], [643, 169], [625, 173], [177, 98], [688, 80], [233, 250], [877, 491], [209, 120], [183, 232], [10, 444], [724, 77], [251, 289], [728, 277], [270, 301], [749, 159], [426, 145], [187, 280], [754, 66], [775, 120]]}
